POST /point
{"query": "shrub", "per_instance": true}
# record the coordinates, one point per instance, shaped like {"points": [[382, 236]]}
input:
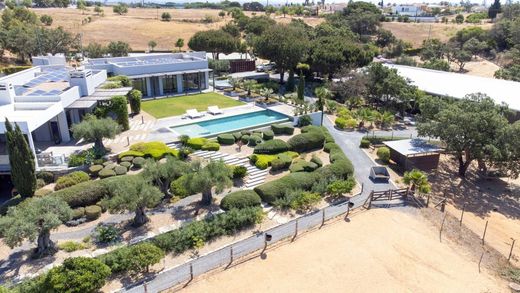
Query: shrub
{"points": [[178, 187], [106, 172], [304, 200], [268, 134], [282, 129], [40, 183], [211, 146], [237, 135], [306, 141], [302, 166], [341, 122], [383, 153], [124, 80], [275, 189], [46, 176], [282, 162], [42, 192], [129, 154], [365, 144], [196, 143], [71, 246], [76, 275], [78, 213], [339, 187], [76, 160], [240, 199], [120, 170], [92, 212], [245, 139], [154, 149], [71, 179], [138, 162], [120, 109], [226, 139], [316, 160], [254, 140], [94, 169], [106, 234], [239, 172], [134, 97], [304, 120], [109, 165], [262, 161], [83, 194], [274, 146], [127, 165]]}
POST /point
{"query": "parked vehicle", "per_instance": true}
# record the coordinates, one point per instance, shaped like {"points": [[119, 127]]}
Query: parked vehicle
{"points": [[265, 67]]}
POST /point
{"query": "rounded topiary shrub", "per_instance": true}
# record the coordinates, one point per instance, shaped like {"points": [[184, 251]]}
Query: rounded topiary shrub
{"points": [[282, 129], [365, 144], [46, 176], [268, 134], [239, 172], [240, 199], [274, 146], [211, 146], [94, 169], [120, 170], [341, 123], [316, 160], [138, 162], [71, 179], [196, 143], [127, 159], [42, 192], [110, 166], [245, 139], [237, 135], [105, 173], [78, 213], [127, 165], [254, 140], [383, 153], [92, 212], [226, 138]]}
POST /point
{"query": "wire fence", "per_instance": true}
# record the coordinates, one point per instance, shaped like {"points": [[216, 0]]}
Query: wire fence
{"points": [[229, 254]]}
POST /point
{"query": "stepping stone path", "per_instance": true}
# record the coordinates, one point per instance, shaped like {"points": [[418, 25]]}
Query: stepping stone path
{"points": [[254, 175]]}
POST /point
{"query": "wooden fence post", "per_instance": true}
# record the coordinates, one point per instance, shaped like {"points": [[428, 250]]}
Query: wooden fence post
{"points": [[296, 229], [428, 200], [231, 255], [485, 230], [191, 272], [480, 261], [442, 226], [462, 215], [322, 218], [511, 251]]}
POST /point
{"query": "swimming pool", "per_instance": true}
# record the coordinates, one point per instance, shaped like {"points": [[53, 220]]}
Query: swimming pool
{"points": [[231, 123]]}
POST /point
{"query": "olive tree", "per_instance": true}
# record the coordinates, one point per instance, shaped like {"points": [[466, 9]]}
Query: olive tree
{"points": [[32, 220], [204, 178], [93, 129]]}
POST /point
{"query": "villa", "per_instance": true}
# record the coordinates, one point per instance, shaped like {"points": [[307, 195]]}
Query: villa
{"points": [[48, 98]]}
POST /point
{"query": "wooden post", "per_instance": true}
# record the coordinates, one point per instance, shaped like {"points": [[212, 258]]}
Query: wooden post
{"points": [[370, 200], [296, 229], [322, 218], [231, 255], [128, 140], [191, 271], [443, 205], [428, 200], [511, 251], [462, 215], [142, 119], [145, 285], [442, 226], [485, 230], [480, 261]]}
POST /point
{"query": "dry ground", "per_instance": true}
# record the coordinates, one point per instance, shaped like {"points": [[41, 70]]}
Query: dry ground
{"points": [[382, 250], [415, 33]]}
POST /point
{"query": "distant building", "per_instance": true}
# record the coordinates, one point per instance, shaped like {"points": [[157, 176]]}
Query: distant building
{"points": [[407, 10]]}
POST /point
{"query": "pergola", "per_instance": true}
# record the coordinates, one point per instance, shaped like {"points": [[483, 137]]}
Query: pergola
{"points": [[414, 154]]}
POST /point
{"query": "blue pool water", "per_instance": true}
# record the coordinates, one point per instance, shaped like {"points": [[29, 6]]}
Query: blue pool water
{"points": [[231, 123]]}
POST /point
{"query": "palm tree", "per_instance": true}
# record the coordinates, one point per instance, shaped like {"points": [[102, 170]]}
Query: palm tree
{"points": [[204, 178], [387, 119], [332, 106], [266, 92], [323, 94], [417, 179], [365, 115]]}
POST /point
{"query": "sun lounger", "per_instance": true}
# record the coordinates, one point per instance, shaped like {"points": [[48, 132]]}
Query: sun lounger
{"points": [[193, 113], [214, 110]]}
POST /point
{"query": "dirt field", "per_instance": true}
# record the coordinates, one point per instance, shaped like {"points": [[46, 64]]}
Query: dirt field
{"points": [[382, 250], [415, 33]]}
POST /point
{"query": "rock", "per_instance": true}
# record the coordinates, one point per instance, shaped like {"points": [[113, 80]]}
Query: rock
{"points": [[514, 286]]}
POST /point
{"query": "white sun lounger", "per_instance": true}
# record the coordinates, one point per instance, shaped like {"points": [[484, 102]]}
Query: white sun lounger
{"points": [[193, 113], [214, 110]]}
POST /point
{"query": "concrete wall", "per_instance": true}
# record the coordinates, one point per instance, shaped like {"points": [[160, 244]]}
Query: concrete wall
{"points": [[316, 118], [21, 77]]}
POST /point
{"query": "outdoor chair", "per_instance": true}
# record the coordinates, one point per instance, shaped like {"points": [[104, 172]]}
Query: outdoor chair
{"points": [[214, 110]]}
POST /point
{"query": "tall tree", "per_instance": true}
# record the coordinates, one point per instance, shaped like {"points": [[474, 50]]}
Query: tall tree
{"points": [[133, 194], [21, 160], [78, 275], [118, 49], [179, 43], [494, 9], [214, 41], [161, 174], [33, 220], [93, 129], [323, 94], [285, 45], [204, 178], [470, 128]]}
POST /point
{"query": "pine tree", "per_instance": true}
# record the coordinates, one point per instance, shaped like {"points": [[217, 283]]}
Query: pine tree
{"points": [[21, 159], [494, 9]]}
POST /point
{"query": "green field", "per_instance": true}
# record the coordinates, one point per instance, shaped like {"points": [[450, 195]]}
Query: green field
{"points": [[176, 106]]}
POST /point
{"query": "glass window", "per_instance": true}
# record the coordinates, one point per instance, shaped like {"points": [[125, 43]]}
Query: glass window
{"points": [[140, 84], [170, 84], [191, 81]]}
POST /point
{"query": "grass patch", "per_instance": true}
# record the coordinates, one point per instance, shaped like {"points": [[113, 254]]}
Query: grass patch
{"points": [[176, 106]]}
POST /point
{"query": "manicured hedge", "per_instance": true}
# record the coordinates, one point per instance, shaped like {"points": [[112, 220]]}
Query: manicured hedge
{"points": [[106, 172], [307, 141], [365, 143], [71, 179], [226, 138], [83, 194], [268, 134], [94, 169], [245, 138], [138, 162], [262, 161], [120, 170], [282, 129], [274, 146], [254, 140], [278, 188], [153, 149], [211, 146], [240, 199], [282, 162], [237, 135], [302, 166], [92, 212], [196, 143], [46, 176], [130, 154]]}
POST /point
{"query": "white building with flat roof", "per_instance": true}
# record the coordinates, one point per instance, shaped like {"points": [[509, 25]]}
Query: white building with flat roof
{"points": [[458, 85], [159, 74]]}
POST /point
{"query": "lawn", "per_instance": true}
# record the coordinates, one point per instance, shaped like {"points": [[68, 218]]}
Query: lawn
{"points": [[176, 106]]}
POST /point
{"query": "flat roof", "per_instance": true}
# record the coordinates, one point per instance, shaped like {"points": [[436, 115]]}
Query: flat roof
{"points": [[414, 146], [82, 104], [458, 85], [106, 94], [170, 73]]}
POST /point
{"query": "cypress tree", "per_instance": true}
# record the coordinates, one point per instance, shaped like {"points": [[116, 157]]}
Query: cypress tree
{"points": [[120, 108], [21, 159]]}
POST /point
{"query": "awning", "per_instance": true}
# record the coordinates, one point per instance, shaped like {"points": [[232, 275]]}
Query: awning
{"points": [[169, 73], [82, 104], [106, 94]]}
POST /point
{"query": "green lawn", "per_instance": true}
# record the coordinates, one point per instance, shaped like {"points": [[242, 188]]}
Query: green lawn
{"points": [[176, 106]]}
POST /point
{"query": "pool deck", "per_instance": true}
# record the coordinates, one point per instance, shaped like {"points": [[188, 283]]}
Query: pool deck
{"points": [[162, 131]]}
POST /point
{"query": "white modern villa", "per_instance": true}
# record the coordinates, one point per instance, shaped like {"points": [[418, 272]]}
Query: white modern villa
{"points": [[48, 98]]}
